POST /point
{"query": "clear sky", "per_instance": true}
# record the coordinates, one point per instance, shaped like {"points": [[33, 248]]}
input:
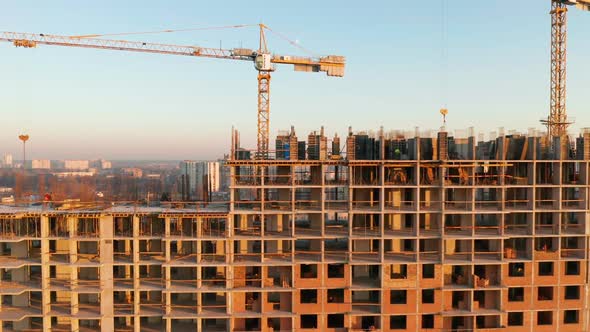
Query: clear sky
{"points": [[78, 103]]}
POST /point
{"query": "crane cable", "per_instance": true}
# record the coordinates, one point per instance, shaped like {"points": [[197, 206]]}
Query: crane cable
{"points": [[444, 66], [238, 26], [445, 53], [163, 31], [293, 43]]}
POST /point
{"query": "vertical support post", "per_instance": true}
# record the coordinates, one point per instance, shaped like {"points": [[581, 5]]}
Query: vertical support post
{"points": [[107, 322]]}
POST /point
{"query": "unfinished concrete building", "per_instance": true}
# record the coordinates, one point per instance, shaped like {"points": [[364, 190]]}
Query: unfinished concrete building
{"points": [[392, 232], [406, 232]]}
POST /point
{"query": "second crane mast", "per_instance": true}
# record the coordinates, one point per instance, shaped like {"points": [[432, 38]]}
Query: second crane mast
{"points": [[557, 121], [264, 63]]}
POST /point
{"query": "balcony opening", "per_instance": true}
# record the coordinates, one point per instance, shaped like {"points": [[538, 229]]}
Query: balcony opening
{"points": [[336, 246], [183, 227], [90, 323], [408, 245], [309, 271], [307, 198], [429, 249], [571, 317], [308, 296], [309, 321], [427, 296], [399, 297], [212, 324], [366, 275], [336, 295], [459, 275], [213, 276], [485, 275], [252, 324], [280, 275], [572, 292], [308, 249], [336, 222], [87, 227], [459, 323], [252, 301], [515, 319], [427, 322], [515, 248], [366, 298], [572, 247], [274, 299], [544, 317], [458, 301], [336, 174], [247, 225], [214, 302], [58, 226], [545, 244], [399, 271], [147, 272], [366, 224], [123, 304], [398, 322], [479, 297], [516, 269], [369, 323], [151, 226], [572, 268], [336, 321], [428, 271], [546, 268], [516, 294], [275, 324], [335, 270]]}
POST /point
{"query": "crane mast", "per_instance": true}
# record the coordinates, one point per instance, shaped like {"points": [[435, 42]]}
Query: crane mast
{"points": [[557, 121], [263, 125]]}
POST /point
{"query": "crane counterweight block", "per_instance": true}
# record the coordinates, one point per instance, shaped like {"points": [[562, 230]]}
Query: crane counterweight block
{"points": [[24, 43]]}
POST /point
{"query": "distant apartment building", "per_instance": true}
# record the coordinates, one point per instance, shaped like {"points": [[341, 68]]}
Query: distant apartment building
{"points": [[201, 177], [101, 164], [132, 171], [39, 164], [7, 160], [224, 175], [57, 164], [74, 174], [76, 165]]}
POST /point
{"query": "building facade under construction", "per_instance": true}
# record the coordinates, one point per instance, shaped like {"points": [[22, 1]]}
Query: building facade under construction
{"points": [[368, 232]]}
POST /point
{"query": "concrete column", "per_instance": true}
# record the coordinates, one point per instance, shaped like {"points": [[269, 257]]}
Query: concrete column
{"points": [[136, 280], [168, 321], [106, 273], [45, 274], [73, 251]]}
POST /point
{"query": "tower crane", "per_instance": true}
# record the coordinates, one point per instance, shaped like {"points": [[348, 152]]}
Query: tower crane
{"points": [[557, 121], [264, 63]]}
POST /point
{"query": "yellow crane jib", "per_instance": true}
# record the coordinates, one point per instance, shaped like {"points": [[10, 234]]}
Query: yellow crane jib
{"points": [[263, 60]]}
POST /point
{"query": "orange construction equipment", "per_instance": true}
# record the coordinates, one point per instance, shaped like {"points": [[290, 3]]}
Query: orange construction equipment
{"points": [[264, 62]]}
